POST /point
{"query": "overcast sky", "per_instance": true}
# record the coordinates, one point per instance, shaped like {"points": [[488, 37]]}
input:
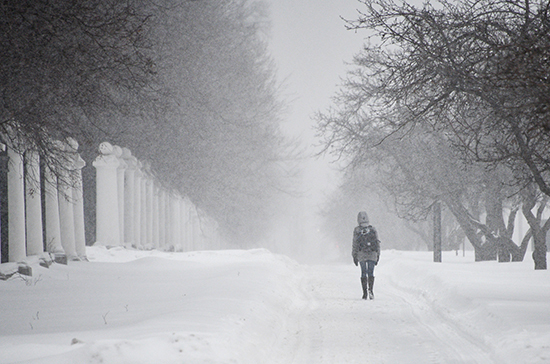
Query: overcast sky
{"points": [[311, 46]]}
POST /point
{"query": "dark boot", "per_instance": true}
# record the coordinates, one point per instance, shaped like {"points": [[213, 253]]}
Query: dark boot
{"points": [[364, 284], [371, 286]]}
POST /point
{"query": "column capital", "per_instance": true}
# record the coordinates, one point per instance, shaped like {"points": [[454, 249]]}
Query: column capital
{"points": [[118, 153], [131, 161], [107, 157], [71, 146]]}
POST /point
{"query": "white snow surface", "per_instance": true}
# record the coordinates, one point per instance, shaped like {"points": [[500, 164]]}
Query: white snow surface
{"points": [[252, 306]]}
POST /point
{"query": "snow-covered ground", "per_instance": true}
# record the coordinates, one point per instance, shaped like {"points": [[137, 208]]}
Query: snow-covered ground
{"points": [[252, 306]]}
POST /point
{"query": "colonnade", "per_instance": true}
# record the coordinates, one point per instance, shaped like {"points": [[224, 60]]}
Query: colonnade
{"points": [[43, 210], [133, 208], [63, 211]]}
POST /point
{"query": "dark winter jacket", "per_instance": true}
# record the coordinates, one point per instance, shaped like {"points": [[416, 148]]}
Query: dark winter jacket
{"points": [[360, 255]]}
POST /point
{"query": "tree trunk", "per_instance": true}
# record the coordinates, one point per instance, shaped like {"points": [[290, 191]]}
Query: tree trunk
{"points": [[538, 230], [495, 229], [539, 253], [503, 252], [483, 251], [487, 251], [520, 254]]}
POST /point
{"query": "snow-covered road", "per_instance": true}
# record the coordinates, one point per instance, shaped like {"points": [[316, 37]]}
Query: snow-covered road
{"points": [[251, 307]]}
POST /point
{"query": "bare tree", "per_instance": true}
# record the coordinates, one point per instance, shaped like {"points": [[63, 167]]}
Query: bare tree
{"points": [[478, 65], [70, 68], [419, 167], [219, 140], [474, 71]]}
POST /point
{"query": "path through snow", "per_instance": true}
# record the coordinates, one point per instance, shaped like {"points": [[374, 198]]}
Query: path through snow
{"points": [[396, 327]]}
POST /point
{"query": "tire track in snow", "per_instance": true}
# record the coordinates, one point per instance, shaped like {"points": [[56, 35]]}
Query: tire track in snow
{"points": [[444, 338], [397, 327]]}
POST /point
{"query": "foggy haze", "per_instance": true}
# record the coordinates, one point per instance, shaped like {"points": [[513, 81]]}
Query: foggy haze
{"points": [[215, 229], [312, 50]]}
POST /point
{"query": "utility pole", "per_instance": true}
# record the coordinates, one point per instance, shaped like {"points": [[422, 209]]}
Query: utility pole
{"points": [[437, 232]]}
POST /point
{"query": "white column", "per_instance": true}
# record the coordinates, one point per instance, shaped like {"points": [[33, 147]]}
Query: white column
{"points": [[129, 196], [120, 194], [66, 218], [16, 207], [189, 224], [107, 222], [143, 211], [66, 203], [33, 202], [176, 223], [155, 214], [183, 219], [79, 224], [162, 219], [78, 200], [149, 211], [53, 229], [169, 221], [137, 206], [195, 229]]}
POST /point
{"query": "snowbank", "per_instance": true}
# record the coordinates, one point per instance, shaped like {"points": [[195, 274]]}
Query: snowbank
{"points": [[127, 306], [504, 307]]}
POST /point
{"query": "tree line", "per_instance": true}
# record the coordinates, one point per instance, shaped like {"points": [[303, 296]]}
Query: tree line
{"points": [[449, 102], [188, 86]]}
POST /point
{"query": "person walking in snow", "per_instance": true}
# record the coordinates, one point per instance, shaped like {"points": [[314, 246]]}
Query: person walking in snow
{"points": [[365, 252]]}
